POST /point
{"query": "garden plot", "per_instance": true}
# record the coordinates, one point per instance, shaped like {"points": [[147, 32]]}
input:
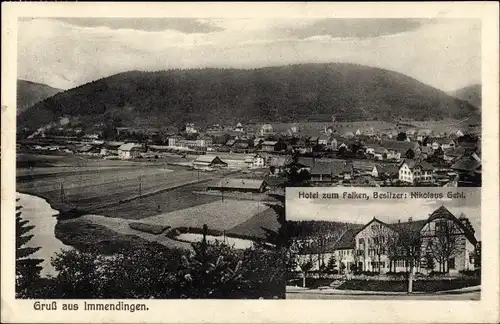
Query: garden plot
{"points": [[221, 215]]}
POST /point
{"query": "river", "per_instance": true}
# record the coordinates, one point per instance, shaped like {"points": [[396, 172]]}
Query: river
{"points": [[38, 212]]}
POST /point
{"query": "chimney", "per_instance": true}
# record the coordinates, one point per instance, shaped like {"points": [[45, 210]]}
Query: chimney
{"points": [[399, 221], [410, 219]]}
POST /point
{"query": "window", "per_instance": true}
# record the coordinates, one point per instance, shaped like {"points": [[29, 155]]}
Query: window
{"points": [[451, 263], [441, 226]]}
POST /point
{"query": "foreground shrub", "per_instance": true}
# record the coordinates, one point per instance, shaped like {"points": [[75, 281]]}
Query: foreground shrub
{"points": [[213, 270]]}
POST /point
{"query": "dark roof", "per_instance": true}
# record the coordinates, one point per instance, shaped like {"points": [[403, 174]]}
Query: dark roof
{"points": [[457, 151], [401, 146], [330, 167], [348, 240], [233, 183], [209, 159], [387, 168], [413, 226], [415, 163], [466, 163], [443, 212]]}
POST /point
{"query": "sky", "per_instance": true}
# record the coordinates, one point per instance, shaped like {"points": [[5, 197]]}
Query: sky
{"points": [[68, 52], [363, 211]]}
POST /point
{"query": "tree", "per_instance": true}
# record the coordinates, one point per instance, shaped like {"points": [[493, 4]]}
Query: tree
{"points": [[409, 247], [303, 258], [331, 266], [342, 151], [27, 269], [410, 154], [444, 244], [401, 136], [382, 235]]}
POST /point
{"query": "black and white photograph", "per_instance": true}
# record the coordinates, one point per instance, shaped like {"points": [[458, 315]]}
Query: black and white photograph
{"points": [[188, 156], [142, 140], [390, 243]]}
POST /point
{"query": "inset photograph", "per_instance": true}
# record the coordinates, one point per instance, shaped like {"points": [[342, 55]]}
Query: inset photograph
{"points": [[388, 243]]}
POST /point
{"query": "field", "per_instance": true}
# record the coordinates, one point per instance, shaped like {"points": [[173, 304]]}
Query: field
{"points": [[219, 215], [109, 195], [88, 188]]}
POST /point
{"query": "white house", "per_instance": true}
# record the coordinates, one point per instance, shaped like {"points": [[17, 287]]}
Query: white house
{"points": [[128, 151], [255, 161], [415, 171]]}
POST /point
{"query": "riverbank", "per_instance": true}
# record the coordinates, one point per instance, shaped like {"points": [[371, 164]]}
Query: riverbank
{"points": [[42, 216]]}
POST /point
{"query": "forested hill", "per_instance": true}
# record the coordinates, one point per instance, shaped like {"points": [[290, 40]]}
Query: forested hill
{"points": [[303, 92], [305, 228], [29, 93], [471, 94]]}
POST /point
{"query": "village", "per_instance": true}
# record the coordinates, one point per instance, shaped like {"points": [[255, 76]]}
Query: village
{"points": [[372, 153]]}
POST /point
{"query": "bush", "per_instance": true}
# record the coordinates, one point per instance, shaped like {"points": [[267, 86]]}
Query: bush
{"points": [[472, 273], [402, 286], [148, 228], [213, 271]]}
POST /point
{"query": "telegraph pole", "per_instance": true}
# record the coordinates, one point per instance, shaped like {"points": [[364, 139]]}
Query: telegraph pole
{"points": [[62, 193], [140, 186]]}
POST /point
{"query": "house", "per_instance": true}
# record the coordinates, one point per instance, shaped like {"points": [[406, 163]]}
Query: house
{"points": [[255, 161], [327, 171], [90, 137], [257, 141], [323, 140], [268, 146], [426, 151], [239, 128], [469, 172], [110, 148], [400, 149], [453, 154], [208, 162], [314, 140], [423, 133], [378, 152], [347, 172], [377, 247], [129, 151], [344, 250], [277, 164], [385, 171], [413, 171], [230, 143], [444, 143], [266, 129], [190, 129], [240, 145], [240, 185]]}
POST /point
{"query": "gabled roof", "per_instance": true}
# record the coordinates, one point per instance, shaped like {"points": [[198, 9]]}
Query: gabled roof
{"points": [[328, 168], [413, 226], [457, 151], [380, 150], [466, 163], [401, 146], [347, 240], [416, 163], [387, 168], [128, 146], [207, 159], [443, 212]]}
